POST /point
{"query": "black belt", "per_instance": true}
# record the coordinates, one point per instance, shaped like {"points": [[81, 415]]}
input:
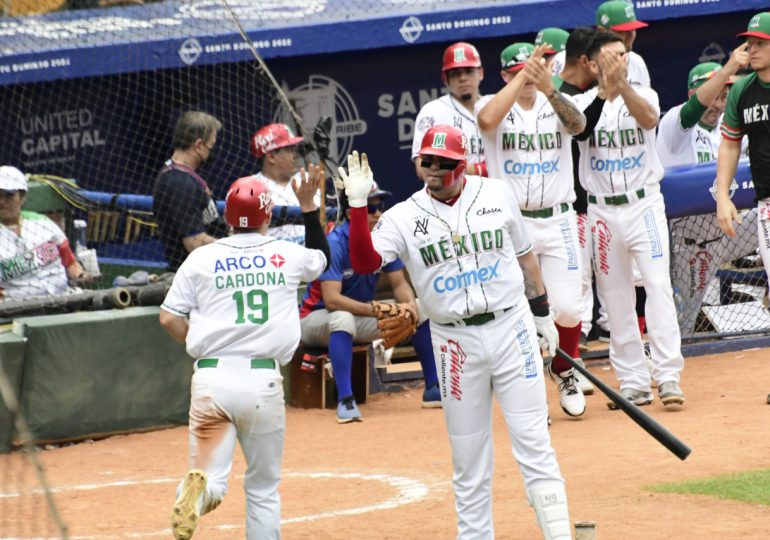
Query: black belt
{"points": [[475, 320], [256, 363], [615, 200], [546, 212]]}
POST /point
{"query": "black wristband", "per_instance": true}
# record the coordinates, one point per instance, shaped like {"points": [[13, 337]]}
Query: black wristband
{"points": [[539, 306]]}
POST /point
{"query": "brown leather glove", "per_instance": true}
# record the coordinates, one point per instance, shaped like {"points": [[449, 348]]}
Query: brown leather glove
{"points": [[395, 322]]}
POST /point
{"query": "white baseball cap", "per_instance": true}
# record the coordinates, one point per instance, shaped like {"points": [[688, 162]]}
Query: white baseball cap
{"points": [[12, 179]]}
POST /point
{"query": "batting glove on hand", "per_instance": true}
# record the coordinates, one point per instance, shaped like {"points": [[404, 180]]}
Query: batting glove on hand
{"points": [[358, 180], [549, 336]]}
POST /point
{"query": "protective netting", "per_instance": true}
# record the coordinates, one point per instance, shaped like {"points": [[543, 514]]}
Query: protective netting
{"points": [[93, 147], [720, 285], [27, 505]]}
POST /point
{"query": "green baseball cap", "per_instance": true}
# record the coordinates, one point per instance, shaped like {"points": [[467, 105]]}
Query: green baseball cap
{"points": [[555, 37], [515, 56], [701, 73], [759, 26], [618, 15]]}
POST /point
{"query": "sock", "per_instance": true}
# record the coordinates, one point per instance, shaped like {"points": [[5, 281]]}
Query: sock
{"points": [[424, 348], [641, 322], [569, 342], [341, 353]]}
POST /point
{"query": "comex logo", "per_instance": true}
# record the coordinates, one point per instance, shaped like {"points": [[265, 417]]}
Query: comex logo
{"points": [[190, 51], [463, 280], [411, 29], [322, 96]]}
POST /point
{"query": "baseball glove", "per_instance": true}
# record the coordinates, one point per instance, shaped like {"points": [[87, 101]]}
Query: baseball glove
{"points": [[395, 322]]}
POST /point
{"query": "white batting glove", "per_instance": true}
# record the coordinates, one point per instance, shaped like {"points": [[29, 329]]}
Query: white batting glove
{"points": [[358, 179], [549, 336]]}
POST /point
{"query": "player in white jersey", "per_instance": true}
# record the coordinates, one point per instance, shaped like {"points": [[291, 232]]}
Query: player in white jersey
{"points": [[462, 74], [470, 259], [527, 129], [688, 134], [621, 173], [35, 255], [233, 303], [277, 148]]}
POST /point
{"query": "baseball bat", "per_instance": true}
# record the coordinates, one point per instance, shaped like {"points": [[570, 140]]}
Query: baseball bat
{"points": [[645, 421]]}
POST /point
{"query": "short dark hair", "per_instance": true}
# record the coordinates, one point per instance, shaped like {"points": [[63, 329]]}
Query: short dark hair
{"points": [[578, 42], [601, 38], [194, 125]]}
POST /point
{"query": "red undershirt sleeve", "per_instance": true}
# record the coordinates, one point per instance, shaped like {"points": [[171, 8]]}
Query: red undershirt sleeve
{"points": [[363, 257], [66, 255]]}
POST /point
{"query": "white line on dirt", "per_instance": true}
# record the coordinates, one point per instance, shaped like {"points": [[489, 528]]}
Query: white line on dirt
{"points": [[409, 491]]}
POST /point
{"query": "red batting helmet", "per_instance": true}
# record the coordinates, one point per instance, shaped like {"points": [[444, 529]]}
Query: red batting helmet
{"points": [[272, 137], [248, 204], [460, 55], [449, 142]]}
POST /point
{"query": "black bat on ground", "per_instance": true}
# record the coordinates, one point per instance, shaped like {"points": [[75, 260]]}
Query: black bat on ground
{"points": [[645, 421]]}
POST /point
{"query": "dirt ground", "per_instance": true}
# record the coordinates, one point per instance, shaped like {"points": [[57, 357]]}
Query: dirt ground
{"points": [[389, 477]]}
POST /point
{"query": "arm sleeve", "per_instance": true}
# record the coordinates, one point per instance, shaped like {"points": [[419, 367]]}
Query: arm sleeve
{"points": [[592, 113], [690, 112], [363, 257], [66, 255], [181, 298], [732, 128], [314, 235]]}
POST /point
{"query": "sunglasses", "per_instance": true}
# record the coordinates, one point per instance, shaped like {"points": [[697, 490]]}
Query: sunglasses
{"points": [[376, 207], [442, 165]]}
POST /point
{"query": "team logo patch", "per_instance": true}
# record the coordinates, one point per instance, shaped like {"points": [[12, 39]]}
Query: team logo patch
{"points": [[523, 54], [439, 140], [630, 11], [569, 245], [605, 19], [277, 260], [265, 201], [420, 226], [754, 23], [656, 248], [426, 123], [460, 55]]}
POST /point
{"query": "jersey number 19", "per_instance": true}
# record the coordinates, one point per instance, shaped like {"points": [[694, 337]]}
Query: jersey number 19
{"points": [[255, 302]]}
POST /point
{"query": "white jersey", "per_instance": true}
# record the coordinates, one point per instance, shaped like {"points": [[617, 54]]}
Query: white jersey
{"points": [[678, 146], [30, 264], [619, 156], [532, 151], [638, 74], [240, 294], [284, 196], [447, 110], [477, 273]]}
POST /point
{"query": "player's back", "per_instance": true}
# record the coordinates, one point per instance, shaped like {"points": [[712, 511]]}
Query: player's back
{"points": [[243, 296]]}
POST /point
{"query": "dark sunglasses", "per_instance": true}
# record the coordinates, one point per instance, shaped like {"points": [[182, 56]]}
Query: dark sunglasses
{"points": [[376, 207], [442, 165]]}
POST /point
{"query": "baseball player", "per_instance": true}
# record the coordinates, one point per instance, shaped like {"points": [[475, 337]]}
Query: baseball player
{"points": [[619, 16], [337, 310], [748, 113], [467, 251], [35, 255], [277, 148], [621, 173], [233, 303], [688, 135], [462, 74], [527, 129], [557, 39]]}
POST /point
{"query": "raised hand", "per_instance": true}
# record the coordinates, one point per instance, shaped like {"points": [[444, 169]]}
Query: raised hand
{"points": [[306, 186], [738, 59], [358, 179], [536, 71]]}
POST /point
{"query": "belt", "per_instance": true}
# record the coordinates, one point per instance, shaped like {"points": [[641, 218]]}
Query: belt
{"points": [[478, 320], [616, 200], [256, 363], [546, 212]]}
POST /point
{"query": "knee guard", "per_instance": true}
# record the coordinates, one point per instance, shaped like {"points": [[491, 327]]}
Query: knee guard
{"points": [[549, 499]]}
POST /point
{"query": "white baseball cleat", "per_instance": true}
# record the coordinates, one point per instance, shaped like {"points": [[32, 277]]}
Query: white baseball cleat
{"points": [[571, 399], [186, 514], [584, 384]]}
